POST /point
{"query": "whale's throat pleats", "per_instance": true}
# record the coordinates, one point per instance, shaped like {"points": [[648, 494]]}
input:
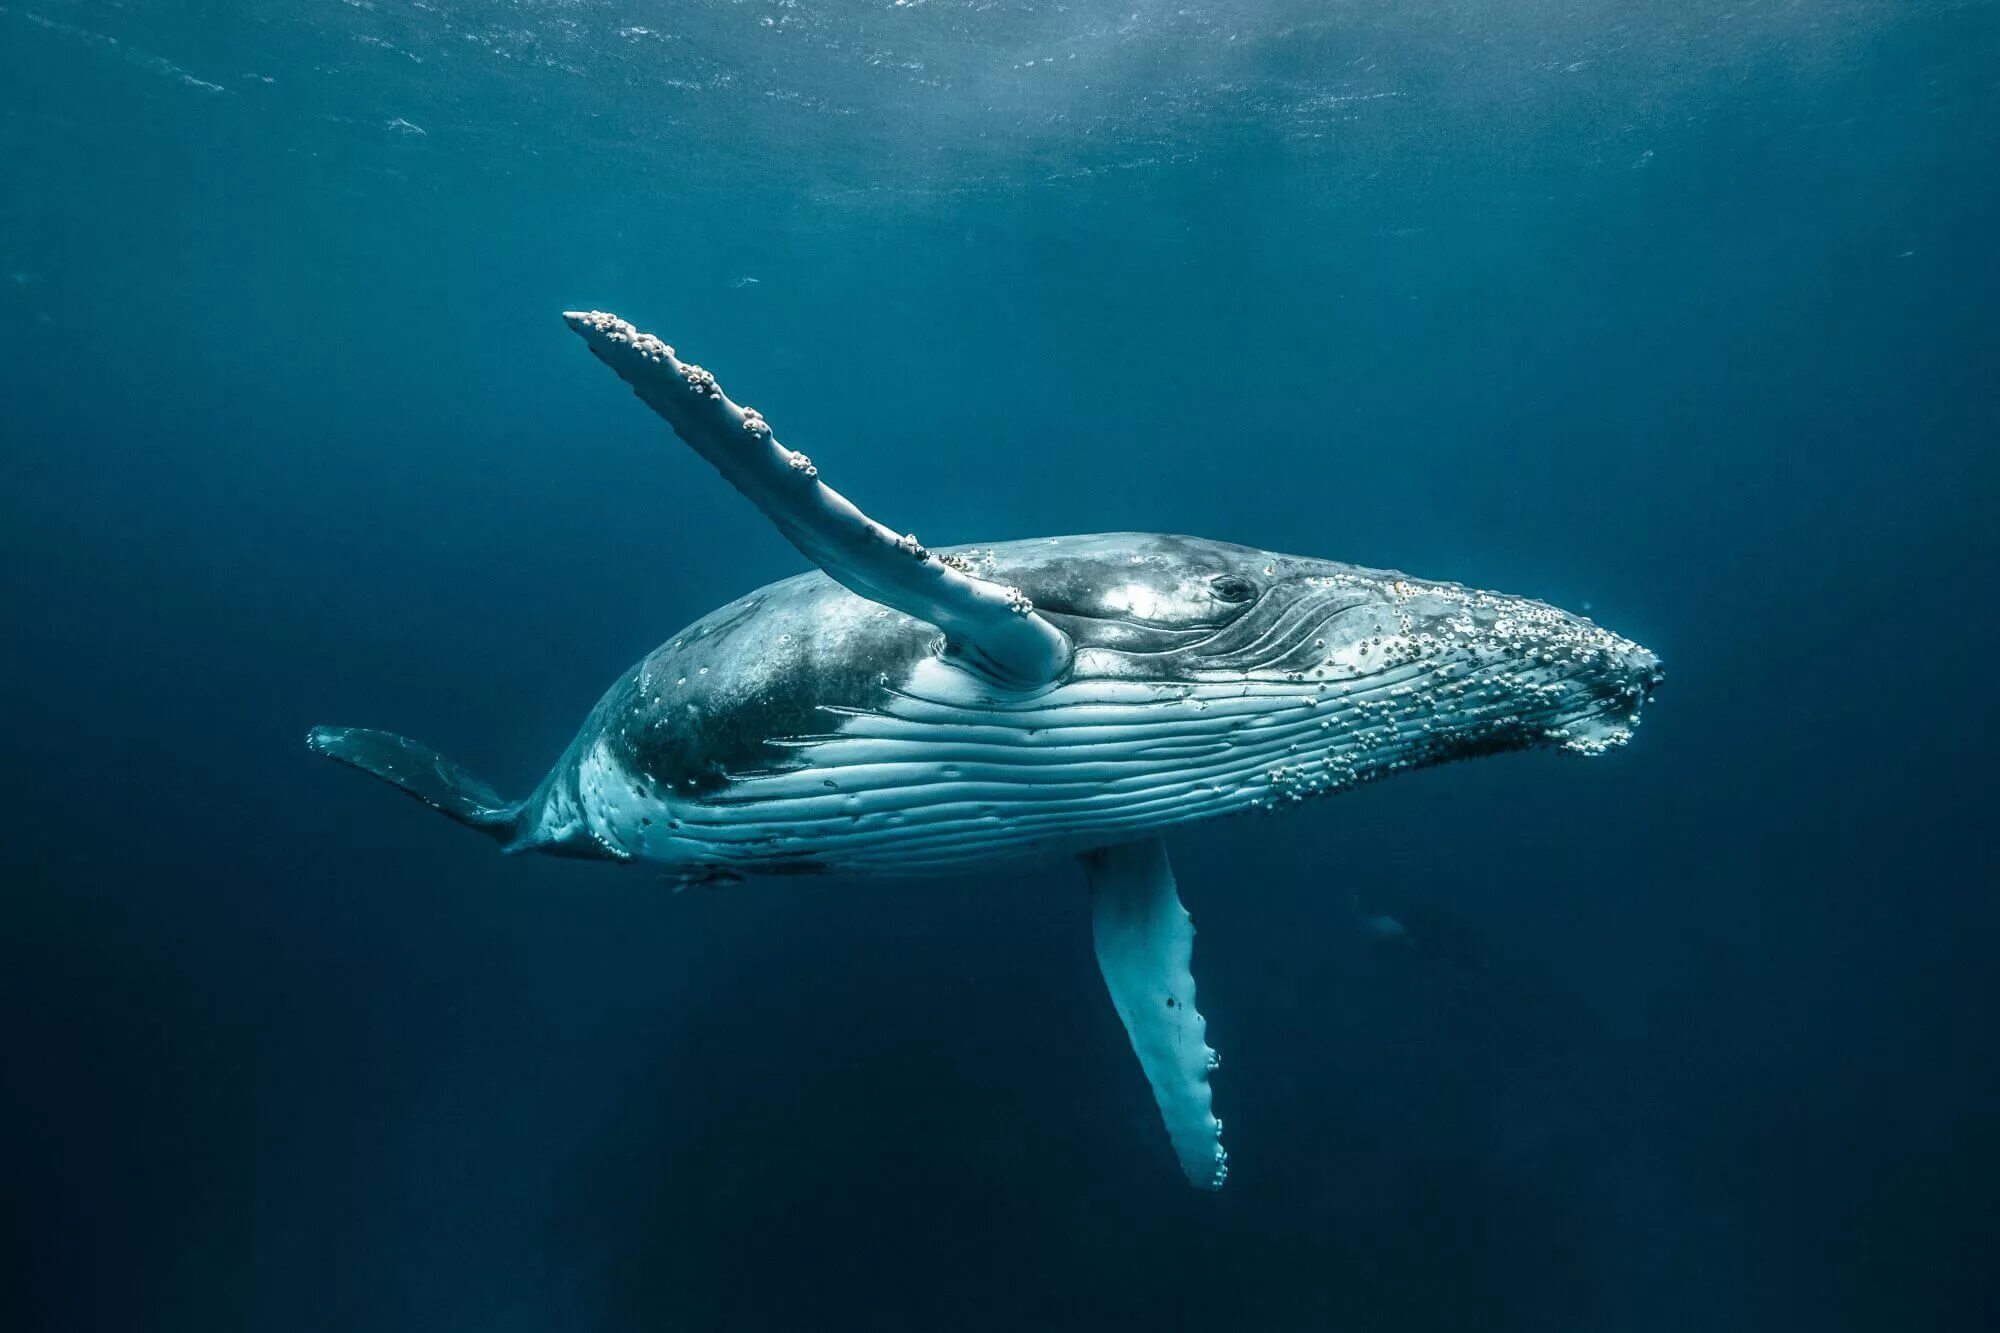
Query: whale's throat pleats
{"points": [[1145, 943]]}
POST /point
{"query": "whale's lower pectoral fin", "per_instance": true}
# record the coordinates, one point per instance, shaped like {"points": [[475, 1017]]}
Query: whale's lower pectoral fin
{"points": [[995, 628], [1145, 940]]}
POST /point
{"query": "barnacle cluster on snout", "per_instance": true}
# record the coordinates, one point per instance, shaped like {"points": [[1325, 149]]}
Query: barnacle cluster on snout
{"points": [[1449, 672]]}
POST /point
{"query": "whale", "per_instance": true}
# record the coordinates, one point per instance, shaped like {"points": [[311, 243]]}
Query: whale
{"points": [[903, 709]]}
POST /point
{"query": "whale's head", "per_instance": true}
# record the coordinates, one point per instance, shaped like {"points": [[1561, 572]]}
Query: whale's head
{"points": [[1324, 675]]}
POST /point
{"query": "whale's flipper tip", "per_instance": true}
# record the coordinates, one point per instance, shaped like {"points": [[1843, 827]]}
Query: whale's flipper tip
{"points": [[420, 771]]}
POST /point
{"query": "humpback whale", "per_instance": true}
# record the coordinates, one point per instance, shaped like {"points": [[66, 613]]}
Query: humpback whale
{"points": [[906, 709]]}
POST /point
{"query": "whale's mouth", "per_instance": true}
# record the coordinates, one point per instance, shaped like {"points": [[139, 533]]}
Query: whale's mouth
{"points": [[1609, 721], [1594, 733]]}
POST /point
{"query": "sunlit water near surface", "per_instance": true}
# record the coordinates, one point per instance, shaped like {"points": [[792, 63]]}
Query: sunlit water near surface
{"points": [[1680, 315]]}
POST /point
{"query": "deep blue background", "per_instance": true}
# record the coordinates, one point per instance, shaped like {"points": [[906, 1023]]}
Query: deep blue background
{"points": [[1684, 313]]}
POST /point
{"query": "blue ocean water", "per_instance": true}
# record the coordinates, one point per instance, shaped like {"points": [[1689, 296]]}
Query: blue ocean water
{"points": [[1683, 314]]}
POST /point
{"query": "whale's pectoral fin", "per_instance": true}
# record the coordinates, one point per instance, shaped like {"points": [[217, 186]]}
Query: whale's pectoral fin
{"points": [[993, 628], [1145, 940]]}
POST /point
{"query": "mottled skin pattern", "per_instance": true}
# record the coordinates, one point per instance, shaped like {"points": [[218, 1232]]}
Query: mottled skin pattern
{"points": [[1213, 679], [711, 704]]}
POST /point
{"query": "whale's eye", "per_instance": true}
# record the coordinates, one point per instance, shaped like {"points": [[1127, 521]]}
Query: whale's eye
{"points": [[1232, 588]]}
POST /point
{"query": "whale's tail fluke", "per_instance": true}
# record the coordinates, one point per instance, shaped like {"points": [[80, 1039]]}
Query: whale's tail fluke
{"points": [[423, 773]]}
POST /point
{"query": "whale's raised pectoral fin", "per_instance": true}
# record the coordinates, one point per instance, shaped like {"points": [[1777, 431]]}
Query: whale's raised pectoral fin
{"points": [[1145, 941], [994, 628]]}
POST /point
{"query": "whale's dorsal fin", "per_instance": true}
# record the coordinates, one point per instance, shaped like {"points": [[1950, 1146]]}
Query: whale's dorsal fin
{"points": [[1145, 941], [994, 627]]}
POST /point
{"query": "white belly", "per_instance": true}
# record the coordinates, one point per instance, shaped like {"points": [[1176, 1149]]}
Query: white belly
{"points": [[952, 772]]}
